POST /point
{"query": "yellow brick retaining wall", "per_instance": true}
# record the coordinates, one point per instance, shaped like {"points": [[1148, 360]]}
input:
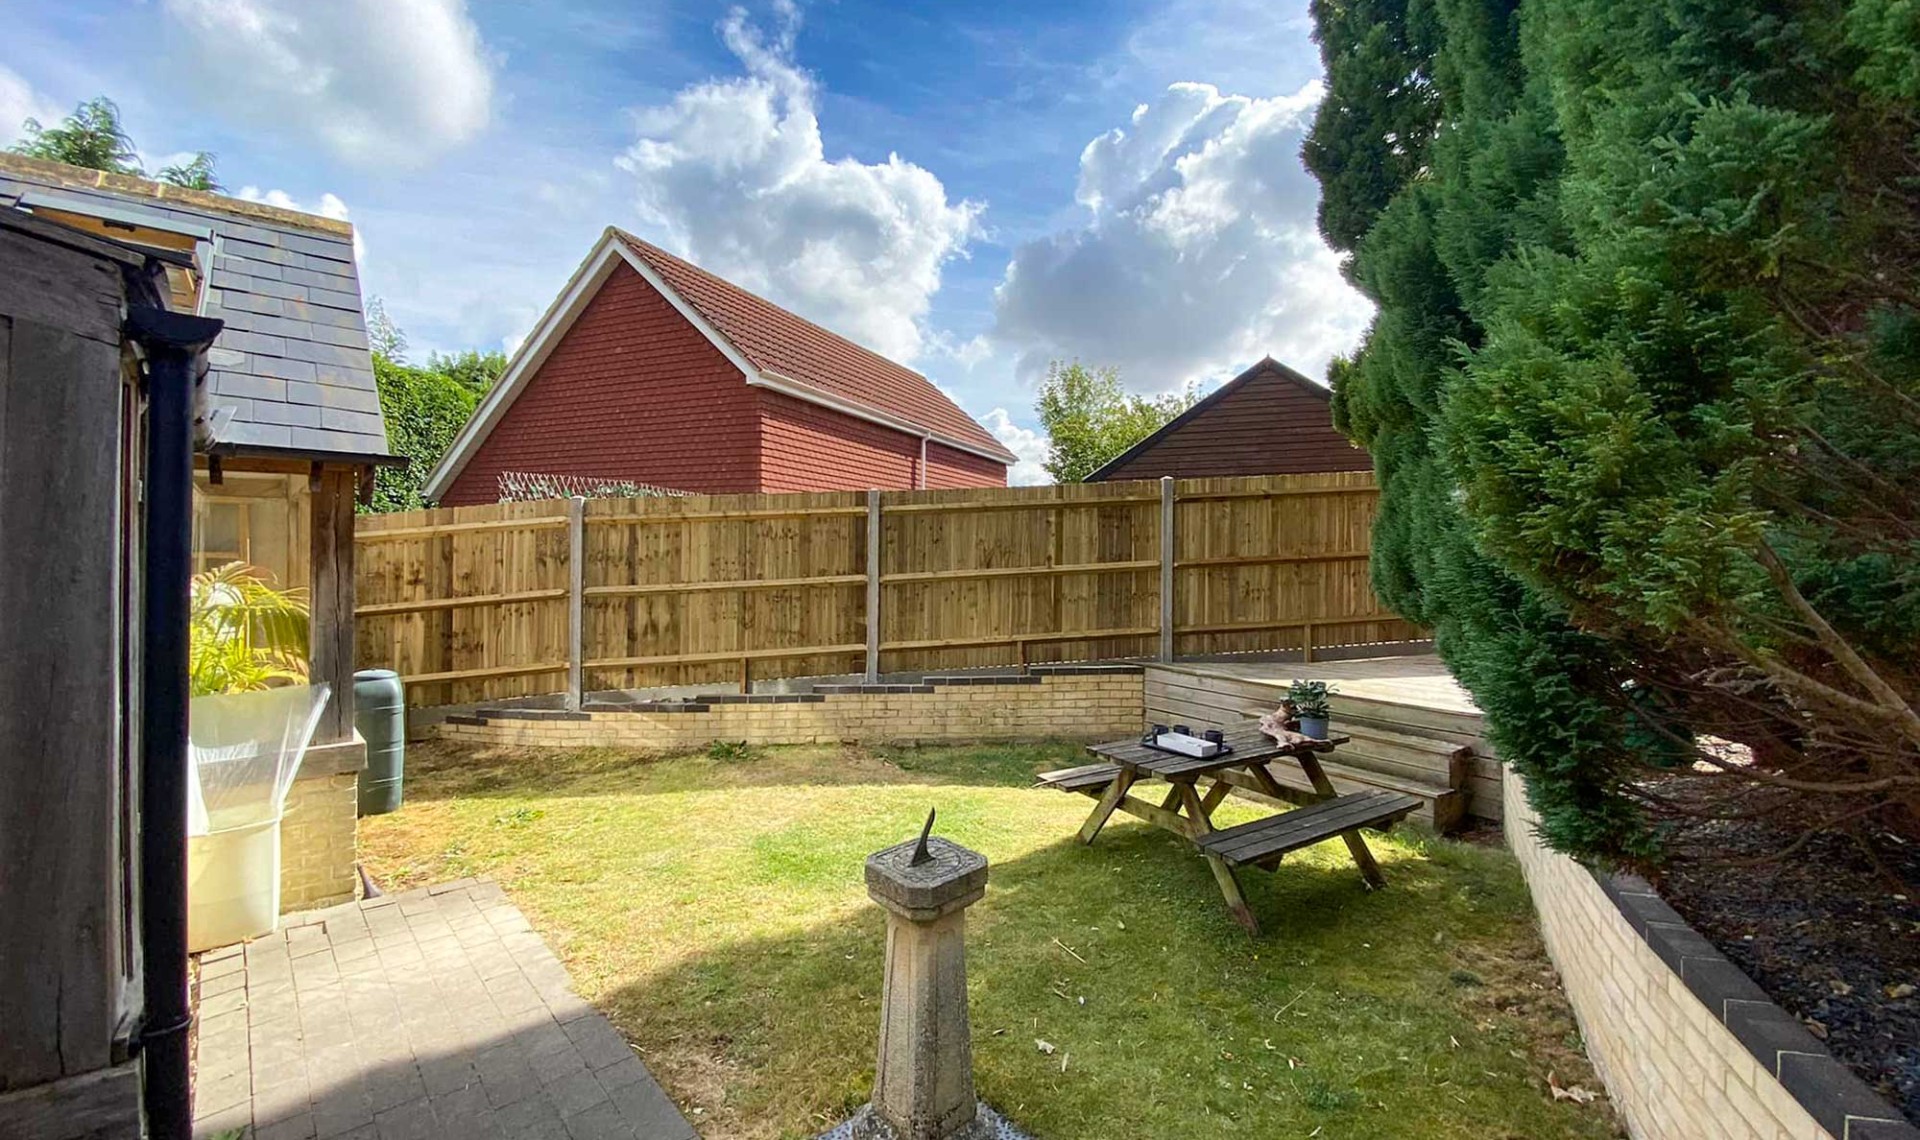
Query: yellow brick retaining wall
{"points": [[1689, 1047], [1101, 703]]}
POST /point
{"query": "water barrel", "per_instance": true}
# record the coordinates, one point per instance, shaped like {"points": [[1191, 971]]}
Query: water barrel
{"points": [[380, 713]]}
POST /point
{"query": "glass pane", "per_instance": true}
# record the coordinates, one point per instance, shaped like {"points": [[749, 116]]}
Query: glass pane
{"points": [[219, 537]]}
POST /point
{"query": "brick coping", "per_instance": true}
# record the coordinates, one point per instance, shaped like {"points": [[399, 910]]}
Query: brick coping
{"points": [[1841, 1102]]}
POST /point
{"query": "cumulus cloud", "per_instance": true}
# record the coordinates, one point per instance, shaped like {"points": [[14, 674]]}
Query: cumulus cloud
{"points": [[1198, 254], [1029, 445], [391, 82], [20, 102], [734, 175], [329, 206]]}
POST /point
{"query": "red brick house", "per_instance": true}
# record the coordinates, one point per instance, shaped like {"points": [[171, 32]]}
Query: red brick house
{"points": [[650, 369], [1269, 420]]}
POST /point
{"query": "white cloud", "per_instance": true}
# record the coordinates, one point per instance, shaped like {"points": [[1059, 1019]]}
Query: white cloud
{"points": [[734, 173], [19, 102], [329, 206], [392, 82], [1026, 443], [1199, 255]]}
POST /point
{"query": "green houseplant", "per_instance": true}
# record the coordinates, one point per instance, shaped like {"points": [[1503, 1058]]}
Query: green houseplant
{"points": [[245, 635], [1310, 705]]}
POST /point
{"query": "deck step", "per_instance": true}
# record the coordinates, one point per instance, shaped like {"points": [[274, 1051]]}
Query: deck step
{"points": [[1422, 758], [1410, 720]]}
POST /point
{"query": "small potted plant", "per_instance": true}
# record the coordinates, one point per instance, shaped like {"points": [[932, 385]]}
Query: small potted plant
{"points": [[1309, 701]]}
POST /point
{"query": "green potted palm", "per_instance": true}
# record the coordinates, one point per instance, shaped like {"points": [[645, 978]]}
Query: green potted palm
{"points": [[1311, 706]]}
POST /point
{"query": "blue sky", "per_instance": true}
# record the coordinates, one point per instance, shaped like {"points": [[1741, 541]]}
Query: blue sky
{"points": [[975, 189]]}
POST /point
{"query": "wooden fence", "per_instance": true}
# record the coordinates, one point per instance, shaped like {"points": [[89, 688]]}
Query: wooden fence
{"points": [[479, 603]]}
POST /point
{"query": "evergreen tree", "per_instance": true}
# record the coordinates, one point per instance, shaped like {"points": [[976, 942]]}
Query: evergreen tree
{"points": [[1644, 387]]}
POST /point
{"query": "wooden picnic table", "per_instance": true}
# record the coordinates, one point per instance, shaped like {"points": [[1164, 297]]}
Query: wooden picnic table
{"points": [[1187, 810]]}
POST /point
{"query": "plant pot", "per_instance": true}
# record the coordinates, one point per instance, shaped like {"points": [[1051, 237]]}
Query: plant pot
{"points": [[1314, 726]]}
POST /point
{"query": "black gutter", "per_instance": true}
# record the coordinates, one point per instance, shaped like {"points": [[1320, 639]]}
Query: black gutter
{"points": [[175, 345]]}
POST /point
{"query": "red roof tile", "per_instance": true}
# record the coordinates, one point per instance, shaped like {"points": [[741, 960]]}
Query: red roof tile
{"points": [[794, 348]]}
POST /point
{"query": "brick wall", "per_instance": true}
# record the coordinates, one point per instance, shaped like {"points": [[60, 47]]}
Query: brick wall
{"points": [[1099, 704], [317, 835], [951, 467], [805, 447], [632, 391], [1688, 1046]]}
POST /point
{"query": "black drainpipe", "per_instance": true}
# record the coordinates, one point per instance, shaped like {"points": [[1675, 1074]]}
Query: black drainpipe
{"points": [[175, 345]]}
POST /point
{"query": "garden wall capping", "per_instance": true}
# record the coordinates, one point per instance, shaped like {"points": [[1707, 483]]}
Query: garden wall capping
{"points": [[1083, 703], [1687, 1044]]}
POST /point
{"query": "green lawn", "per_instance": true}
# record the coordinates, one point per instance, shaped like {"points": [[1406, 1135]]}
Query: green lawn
{"points": [[713, 906]]}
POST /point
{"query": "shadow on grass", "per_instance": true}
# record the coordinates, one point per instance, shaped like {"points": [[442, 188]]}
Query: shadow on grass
{"points": [[445, 770], [1355, 1013]]}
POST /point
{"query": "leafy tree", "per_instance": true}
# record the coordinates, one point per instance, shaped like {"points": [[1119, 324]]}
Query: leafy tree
{"points": [[194, 174], [424, 407], [1090, 417], [1644, 389], [91, 137]]}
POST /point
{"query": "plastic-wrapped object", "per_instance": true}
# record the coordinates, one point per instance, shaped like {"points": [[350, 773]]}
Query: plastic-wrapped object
{"points": [[244, 751]]}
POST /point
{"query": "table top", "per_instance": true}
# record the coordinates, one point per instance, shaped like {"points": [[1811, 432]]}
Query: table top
{"points": [[1250, 746]]}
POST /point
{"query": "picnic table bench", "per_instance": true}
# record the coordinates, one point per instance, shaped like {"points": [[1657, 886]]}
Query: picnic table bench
{"points": [[1188, 811]]}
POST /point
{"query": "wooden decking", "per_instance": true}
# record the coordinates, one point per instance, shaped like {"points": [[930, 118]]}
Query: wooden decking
{"points": [[1416, 730]]}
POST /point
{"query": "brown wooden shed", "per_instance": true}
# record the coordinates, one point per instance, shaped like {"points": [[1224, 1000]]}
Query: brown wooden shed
{"points": [[1269, 420]]}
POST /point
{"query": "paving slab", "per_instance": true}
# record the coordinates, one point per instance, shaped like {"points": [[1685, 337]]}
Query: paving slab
{"points": [[434, 1014]]}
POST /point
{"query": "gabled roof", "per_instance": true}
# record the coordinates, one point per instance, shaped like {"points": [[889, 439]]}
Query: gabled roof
{"points": [[1267, 366], [292, 361], [773, 349], [788, 346]]}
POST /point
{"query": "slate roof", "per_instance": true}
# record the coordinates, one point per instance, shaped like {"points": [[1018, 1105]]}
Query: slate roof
{"points": [[293, 361], [789, 346]]}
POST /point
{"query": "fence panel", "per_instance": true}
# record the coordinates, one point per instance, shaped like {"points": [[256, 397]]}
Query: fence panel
{"points": [[472, 603]]}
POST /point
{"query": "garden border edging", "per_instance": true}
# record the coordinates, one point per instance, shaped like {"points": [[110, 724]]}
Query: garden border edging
{"points": [[1687, 1044]]}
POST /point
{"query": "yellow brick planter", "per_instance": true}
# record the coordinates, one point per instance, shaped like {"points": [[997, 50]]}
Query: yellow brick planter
{"points": [[1688, 1046]]}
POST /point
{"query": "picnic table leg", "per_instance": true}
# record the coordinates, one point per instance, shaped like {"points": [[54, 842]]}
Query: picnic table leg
{"points": [[1198, 824], [1109, 800], [1356, 843]]}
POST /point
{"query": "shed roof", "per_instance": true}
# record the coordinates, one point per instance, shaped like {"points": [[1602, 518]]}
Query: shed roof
{"points": [[1267, 366], [293, 361], [791, 347]]}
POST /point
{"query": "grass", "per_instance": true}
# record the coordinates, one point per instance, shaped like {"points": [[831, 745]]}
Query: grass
{"points": [[712, 905]]}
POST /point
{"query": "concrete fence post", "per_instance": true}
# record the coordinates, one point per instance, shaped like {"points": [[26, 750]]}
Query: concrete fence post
{"points": [[873, 586], [576, 601], [1166, 568]]}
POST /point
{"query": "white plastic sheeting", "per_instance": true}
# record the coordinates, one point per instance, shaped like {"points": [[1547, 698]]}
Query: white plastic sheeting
{"points": [[245, 749]]}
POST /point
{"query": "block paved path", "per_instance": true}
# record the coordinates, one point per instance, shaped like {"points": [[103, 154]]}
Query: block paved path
{"points": [[433, 1013]]}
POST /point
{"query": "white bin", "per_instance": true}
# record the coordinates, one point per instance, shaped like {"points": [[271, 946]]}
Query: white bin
{"points": [[233, 884]]}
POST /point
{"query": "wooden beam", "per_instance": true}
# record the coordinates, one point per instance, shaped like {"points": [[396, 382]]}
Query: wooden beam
{"points": [[738, 515], [485, 671], [1023, 638], [1018, 504], [733, 655], [1274, 559], [874, 578], [1023, 571], [378, 609], [331, 598], [701, 587], [462, 528]]}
